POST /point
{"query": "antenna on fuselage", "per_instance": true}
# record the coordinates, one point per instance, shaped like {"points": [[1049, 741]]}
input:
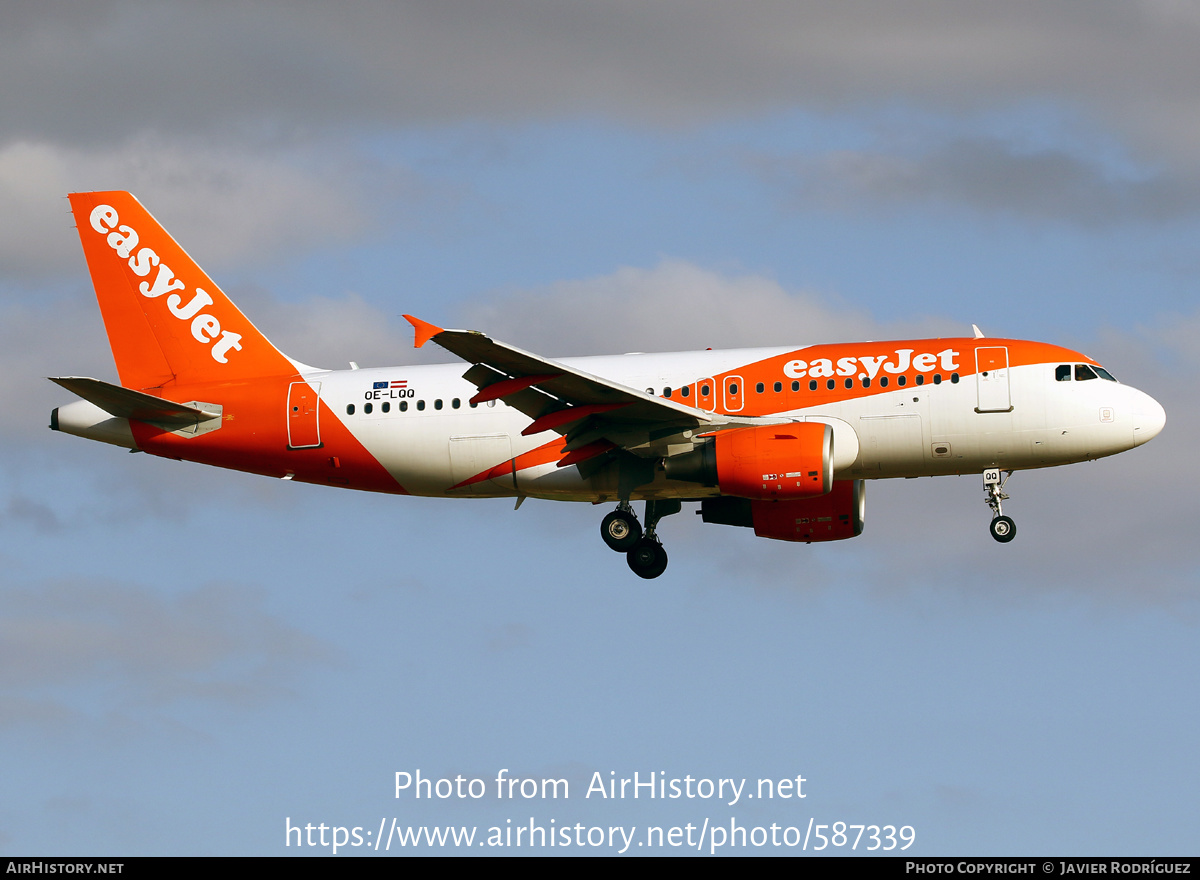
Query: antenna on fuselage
{"points": [[978, 332]]}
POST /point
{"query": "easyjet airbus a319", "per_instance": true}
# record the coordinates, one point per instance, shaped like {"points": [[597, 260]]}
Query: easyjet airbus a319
{"points": [[780, 440]]}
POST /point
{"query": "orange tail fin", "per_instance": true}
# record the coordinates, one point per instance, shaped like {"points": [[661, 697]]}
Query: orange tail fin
{"points": [[166, 320]]}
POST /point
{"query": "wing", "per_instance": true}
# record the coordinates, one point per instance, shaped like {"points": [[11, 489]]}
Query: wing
{"points": [[594, 414]]}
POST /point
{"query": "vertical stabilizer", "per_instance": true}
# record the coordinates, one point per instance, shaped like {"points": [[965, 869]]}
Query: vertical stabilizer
{"points": [[167, 321]]}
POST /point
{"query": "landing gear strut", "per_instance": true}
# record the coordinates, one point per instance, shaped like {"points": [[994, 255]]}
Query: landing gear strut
{"points": [[1003, 529], [643, 551], [647, 559]]}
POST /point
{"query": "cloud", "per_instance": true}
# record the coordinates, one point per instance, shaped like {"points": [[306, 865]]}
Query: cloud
{"points": [[225, 204], [94, 72], [989, 176], [49, 339], [66, 644], [21, 509], [676, 306], [332, 331]]}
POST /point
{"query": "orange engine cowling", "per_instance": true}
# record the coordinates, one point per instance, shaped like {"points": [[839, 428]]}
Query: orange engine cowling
{"points": [[775, 462], [831, 517]]}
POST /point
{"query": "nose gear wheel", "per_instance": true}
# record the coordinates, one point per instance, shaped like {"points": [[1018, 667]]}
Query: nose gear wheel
{"points": [[1003, 528]]}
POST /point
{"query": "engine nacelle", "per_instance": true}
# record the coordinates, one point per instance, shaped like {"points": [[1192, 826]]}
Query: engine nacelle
{"points": [[768, 463], [832, 517]]}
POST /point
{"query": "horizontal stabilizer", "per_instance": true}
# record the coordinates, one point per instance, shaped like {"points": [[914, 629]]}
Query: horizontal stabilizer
{"points": [[125, 403]]}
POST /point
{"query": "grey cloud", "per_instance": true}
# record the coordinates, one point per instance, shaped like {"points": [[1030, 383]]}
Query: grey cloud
{"points": [[56, 338], [65, 643], [989, 176], [21, 509], [331, 331], [675, 306], [87, 72], [223, 203]]}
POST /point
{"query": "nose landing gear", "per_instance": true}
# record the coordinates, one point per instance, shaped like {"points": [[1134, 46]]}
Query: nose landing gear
{"points": [[643, 551], [1003, 528]]}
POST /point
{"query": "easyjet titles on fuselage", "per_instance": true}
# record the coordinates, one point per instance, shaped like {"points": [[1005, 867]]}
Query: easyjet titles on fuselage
{"points": [[205, 328], [819, 368]]}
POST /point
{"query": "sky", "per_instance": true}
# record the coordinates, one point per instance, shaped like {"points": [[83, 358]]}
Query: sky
{"points": [[191, 659]]}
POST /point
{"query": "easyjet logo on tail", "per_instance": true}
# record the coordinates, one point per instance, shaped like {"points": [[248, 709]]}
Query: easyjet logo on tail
{"points": [[901, 362], [205, 328]]}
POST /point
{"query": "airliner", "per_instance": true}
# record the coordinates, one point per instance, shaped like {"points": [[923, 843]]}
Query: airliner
{"points": [[780, 440]]}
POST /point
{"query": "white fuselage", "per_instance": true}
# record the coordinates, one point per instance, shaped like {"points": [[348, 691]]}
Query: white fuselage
{"points": [[439, 439]]}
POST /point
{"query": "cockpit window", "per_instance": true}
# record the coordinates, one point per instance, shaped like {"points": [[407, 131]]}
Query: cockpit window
{"points": [[1063, 372], [1104, 374], [1083, 372]]}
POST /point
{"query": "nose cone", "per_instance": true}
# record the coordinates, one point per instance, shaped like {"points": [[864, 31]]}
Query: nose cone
{"points": [[1148, 419]]}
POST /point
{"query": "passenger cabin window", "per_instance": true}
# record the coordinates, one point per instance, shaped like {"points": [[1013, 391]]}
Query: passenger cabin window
{"points": [[1083, 372], [349, 409], [404, 406], [420, 404], [778, 387], [1062, 373], [795, 386], [733, 387], [367, 408], [666, 392], [758, 388], [386, 407]]}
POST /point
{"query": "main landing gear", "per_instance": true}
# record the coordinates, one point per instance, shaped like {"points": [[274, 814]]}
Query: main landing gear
{"points": [[643, 551], [1003, 529], [621, 529]]}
